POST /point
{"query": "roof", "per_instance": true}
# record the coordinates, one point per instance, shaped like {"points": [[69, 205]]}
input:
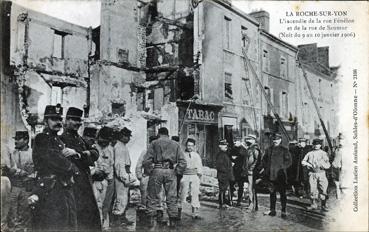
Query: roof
{"points": [[237, 11], [279, 41]]}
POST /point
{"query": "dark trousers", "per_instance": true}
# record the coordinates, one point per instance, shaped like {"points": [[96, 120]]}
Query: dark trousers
{"points": [[273, 196]]}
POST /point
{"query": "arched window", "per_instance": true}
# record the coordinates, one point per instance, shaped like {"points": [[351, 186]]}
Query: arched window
{"points": [[245, 128]]}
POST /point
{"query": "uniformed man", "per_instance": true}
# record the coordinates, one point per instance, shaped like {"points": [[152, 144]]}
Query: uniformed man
{"points": [[122, 177], [168, 160], [252, 159], [302, 175], [224, 172], [191, 179], [317, 162], [53, 198], [20, 173], [88, 217], [238, 156], [102, 174], [276, 160]]}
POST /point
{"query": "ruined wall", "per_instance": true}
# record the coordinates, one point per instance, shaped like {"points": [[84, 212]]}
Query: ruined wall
{"points": [[49, 57]]}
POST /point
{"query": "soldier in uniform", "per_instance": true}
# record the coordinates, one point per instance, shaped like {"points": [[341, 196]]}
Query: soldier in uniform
{"points": [[88, 217], [53, 198], [224, 171], [102, 174], [276, 160], [20, 172], [252, 160], [167, 158], [238, 156]]}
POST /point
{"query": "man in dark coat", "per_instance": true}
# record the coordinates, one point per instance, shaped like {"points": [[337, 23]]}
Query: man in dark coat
{"points": [[238, 156], [224, 171], [88, 216], [53, 199], [294, 171], [276, 161]]}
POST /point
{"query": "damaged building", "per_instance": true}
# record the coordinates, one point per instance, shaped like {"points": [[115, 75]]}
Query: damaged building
{"points": [[203, 69]]}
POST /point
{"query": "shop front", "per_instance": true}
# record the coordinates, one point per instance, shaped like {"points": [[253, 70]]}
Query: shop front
{"points": [[201, 123]]}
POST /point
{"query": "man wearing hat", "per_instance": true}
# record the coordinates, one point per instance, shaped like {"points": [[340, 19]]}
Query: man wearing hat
{"points": [[88, 217], [302, 174], [102, 174], [317, 162], [224, 171], [53, 198], [164, 160], [89, 135], [276, 160], [123, 177], [252, 159], [238, 155], [19, 170]]}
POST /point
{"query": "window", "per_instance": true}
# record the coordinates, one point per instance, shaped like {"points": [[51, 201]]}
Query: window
{"points": [[56, 95], [228, 93], [118, 108], [283, 67], [269, 93], [227, 33], [245, 40], [265, 61], [58, 44], [284, 105], [320, 88], [245, 128]]}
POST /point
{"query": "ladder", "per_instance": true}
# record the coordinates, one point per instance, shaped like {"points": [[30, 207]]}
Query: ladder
{"points": [[247, 63], [316, 108]]}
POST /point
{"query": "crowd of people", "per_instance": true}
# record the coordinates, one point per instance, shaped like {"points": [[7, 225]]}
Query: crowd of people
{"points": [[73, 182]]}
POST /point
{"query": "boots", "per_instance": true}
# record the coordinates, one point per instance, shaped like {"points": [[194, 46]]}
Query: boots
{"points": [[324, 205], [179, 213], [159, 216], [313, 205], [173, 222], [195, 213]]}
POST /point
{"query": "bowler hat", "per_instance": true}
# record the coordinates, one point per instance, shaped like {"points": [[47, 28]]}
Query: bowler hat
{"points": [[277, 136], [21, 135], [90, 132], [223, 142], [126, 132], [250, 136], [105, 133], [317, 141], [175, 138], [74, 112], [53, 111]]}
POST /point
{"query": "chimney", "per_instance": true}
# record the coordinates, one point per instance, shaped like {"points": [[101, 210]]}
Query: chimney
{"points": [[308, 53], [263, 18], [323, 56]]}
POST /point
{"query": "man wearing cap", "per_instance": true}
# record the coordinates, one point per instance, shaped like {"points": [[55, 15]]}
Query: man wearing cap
{"points": [[317, 162], [89, 135], [238, 155], [88, 217], [276, 160], [53, 199], [122, 177], [102, 174], [224, 171], [191, 177], [303, 176], [164, 160], [293, 172], [252, 159], [20, 171]]}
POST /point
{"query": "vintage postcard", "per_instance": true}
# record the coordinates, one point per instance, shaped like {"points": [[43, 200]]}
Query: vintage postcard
{"points": [[187, 115]]}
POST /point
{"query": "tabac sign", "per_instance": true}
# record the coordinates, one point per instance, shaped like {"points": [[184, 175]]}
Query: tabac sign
{"points": [[199, 113]]}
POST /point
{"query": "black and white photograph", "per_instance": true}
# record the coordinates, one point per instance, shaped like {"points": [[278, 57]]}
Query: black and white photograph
{"points": [[184, 115]]}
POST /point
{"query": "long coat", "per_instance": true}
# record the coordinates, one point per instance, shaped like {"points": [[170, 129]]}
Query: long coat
{"points": [[276, 160], [224, 170], [56, 208], [88, 217], [240, 155], [296, 170]]}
